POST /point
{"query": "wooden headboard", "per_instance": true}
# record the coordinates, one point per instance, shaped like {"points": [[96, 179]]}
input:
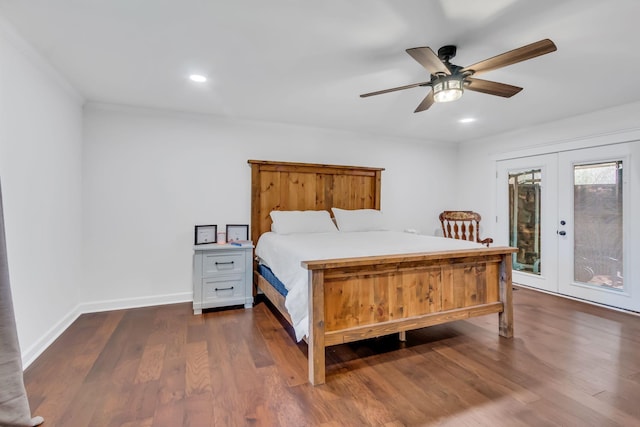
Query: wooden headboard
{"points": [[306, 186]]}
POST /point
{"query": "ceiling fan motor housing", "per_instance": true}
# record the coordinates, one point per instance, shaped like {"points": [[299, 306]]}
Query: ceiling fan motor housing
{"points": [[447, 52]]}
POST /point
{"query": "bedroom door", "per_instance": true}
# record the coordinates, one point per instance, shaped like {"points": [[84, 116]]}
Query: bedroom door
{"points": [[527, 216], [566, 213]]}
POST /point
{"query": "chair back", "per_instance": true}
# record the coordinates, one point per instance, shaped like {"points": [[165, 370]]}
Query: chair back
{"points": [[463, 225]]}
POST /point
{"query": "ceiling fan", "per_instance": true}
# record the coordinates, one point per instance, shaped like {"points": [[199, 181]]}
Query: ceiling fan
{"points": [[448, 80]]}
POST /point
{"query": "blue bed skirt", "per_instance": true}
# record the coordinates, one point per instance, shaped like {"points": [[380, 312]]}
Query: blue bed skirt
{"points": [[271, 278]]}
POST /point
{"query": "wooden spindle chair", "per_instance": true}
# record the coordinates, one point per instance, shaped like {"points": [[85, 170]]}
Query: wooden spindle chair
{"points": [[464, 225]]}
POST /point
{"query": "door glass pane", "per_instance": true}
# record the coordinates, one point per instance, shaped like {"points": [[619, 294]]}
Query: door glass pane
{"points": [[524, 219], [598, 224]]}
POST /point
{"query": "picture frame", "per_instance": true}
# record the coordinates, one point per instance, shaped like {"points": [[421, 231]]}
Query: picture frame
{"points": [[237, 232], [206, 234]]}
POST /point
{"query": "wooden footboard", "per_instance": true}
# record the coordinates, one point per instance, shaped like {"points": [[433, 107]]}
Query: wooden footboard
{"points": [[358, 298]]}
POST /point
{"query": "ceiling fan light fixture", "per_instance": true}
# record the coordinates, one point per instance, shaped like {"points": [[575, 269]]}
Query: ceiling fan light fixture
{"points": [[447, 89]]}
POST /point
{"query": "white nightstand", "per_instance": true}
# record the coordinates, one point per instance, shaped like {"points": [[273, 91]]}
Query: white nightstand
{"points": [[222, 276]]}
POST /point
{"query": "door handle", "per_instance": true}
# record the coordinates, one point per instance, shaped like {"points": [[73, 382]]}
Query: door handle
{"points": [[562, 233]]}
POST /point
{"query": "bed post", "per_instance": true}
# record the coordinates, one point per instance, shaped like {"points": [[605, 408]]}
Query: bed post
{"points": [[316, 328], [505, 317], [377, 191], [255, 203]]}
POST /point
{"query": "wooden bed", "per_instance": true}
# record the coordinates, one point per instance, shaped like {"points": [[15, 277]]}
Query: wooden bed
{"points": [[357, 298]]}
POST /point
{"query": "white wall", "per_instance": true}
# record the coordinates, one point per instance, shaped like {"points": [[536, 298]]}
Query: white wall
{"points": [[40, 170], [150, 176]]}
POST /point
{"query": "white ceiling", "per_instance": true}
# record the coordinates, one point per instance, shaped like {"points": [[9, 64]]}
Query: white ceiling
{"points": [[306, 62]]}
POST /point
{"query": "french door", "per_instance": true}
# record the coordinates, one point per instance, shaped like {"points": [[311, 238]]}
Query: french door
{"points": [[565, 212], [527, 218]]}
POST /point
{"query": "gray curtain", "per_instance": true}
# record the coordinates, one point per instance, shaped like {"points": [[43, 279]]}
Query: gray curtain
{"points": [[14, 406]]}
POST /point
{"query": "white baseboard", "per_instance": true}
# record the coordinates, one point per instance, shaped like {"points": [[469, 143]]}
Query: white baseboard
{"points": [[49, 337], [32, 353], [119, 304]]}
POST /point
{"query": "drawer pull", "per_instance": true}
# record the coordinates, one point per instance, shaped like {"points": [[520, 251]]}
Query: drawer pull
{"points": [[221, 263], [224, 289]]}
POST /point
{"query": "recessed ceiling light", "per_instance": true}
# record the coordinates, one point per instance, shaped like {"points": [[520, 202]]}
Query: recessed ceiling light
{"points": [[197, 78], [467, 120]]}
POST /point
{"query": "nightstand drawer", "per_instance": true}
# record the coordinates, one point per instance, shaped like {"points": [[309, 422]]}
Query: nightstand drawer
{"points": [[223, 287], [225, 262]]}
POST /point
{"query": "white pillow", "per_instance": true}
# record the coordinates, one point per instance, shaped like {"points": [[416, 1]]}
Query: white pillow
{"points": [[289, 222], [359, 219]]}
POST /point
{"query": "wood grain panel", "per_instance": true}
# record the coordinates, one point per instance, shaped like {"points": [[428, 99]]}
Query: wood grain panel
{"points": [[399, 298], [302, 190], [354, 192], [306, 186], [492, 289], [272, 294], [151, 363], [269, 199], [505, 318], [358, 333], [481, 285], [316, 327], [324, 191], [370, 299], [197, 369], [435, 290]]}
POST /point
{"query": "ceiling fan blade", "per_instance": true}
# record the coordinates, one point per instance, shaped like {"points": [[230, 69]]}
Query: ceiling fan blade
{"points": [[514, 56], [426, 103], [380, 92], [492, 88], [429, 60]]}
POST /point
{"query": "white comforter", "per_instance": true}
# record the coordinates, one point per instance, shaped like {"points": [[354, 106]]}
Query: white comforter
{"points": [[284, 254]]}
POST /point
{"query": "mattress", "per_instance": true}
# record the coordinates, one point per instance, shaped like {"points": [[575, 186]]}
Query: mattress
{"points": [[283, 254]]}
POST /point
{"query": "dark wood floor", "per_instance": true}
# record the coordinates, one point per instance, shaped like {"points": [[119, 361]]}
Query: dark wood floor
{"points": [[570, 364]]}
